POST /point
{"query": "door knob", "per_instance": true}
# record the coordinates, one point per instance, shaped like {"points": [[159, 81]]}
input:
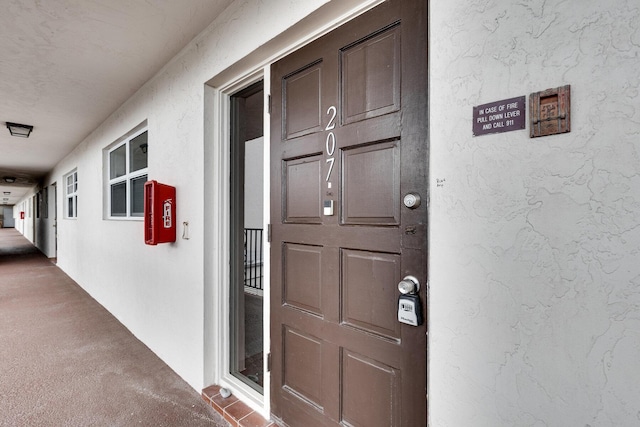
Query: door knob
{"points": [[409, 285]]}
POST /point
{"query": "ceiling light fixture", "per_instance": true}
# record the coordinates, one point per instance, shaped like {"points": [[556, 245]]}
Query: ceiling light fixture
{"points": [[10, 179], [6, 193], [16, 129]]}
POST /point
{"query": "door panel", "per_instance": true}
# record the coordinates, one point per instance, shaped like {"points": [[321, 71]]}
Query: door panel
{"points": [[382, 399], [349, 131], [303, 187], [369, 170], [302, 378], [368, 292], [302, 99], [302, 279], [371, 76]]}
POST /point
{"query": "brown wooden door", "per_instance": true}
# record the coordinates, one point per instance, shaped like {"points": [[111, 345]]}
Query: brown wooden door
{"points": [[349, 127]]}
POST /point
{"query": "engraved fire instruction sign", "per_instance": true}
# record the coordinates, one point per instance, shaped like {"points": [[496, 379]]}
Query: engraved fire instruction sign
{"points": [[499, 116]]}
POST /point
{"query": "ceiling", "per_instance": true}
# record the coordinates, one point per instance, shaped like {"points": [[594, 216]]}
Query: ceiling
{"points": [[66, 65]]}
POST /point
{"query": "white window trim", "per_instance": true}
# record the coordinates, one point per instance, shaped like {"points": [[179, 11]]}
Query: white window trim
{"points": [[126, 178], [73, 195]]}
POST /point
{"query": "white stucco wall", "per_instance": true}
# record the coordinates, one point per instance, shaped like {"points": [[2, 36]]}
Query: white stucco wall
{"points": [[158, 292], [534, 272], [534, 303]]}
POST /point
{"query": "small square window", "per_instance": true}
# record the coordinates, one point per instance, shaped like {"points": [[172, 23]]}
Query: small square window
{"points": [[137, 195], [71, 194], [138, 152], [127, 175], [119, 199], [118, 162]]}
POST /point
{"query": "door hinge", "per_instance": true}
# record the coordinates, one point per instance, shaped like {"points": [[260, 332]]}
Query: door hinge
{"points": [[269, 103], [268, 233], [268, 362]]}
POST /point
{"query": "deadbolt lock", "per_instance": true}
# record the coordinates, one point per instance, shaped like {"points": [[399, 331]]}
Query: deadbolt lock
{"points": [[412, 200]]}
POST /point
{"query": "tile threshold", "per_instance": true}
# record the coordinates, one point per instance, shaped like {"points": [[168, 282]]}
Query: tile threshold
{"points": [[234, 411]]}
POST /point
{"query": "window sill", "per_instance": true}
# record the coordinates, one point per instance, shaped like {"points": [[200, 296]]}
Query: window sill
{"points": [[124, 218]]}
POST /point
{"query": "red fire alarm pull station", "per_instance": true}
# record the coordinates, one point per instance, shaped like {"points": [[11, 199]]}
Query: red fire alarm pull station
{"points": [[21, 214], [159, 213]]}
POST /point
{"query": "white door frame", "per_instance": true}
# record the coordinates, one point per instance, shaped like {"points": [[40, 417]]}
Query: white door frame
{"points": [[217, 93], [219, 153]]}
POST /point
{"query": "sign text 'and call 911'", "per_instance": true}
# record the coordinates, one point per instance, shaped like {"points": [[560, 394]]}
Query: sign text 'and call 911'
{"points": [[499, 116]]}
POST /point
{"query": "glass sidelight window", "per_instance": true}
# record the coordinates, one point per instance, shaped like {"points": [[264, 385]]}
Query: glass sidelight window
{"points": [[127, 163], [246, 236]]}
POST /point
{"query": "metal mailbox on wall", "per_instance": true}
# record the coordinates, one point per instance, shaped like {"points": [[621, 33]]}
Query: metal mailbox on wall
{"points": [[159, 213]]}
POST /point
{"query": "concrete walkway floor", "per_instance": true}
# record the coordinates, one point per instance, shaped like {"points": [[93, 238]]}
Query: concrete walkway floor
{"points": [[65, 361]]}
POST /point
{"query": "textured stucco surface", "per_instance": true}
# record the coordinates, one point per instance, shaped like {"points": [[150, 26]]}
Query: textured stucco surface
{"points": [[163, 293], [535, 279], [157, 291]]}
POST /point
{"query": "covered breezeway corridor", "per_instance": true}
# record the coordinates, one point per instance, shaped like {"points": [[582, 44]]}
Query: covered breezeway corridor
{"points": [[64, 360]]}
